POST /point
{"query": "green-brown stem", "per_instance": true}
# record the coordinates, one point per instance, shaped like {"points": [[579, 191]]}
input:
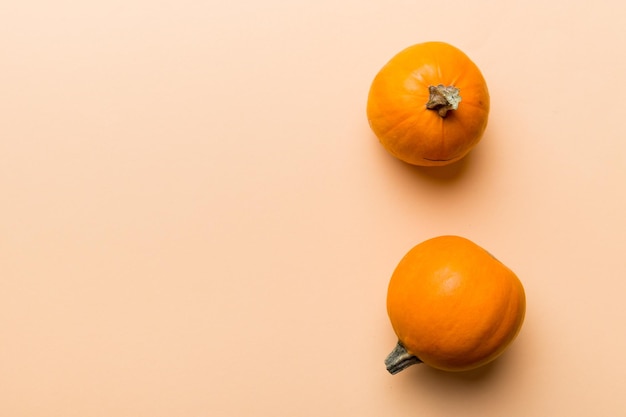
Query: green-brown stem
{"points": [[400, 359], [443, 99]]}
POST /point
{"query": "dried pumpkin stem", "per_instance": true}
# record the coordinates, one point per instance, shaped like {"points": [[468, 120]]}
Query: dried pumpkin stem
{"points": [[400, 359], [443, 99]]}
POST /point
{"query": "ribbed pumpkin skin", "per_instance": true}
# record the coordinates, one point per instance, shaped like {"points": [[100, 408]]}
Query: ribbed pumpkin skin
{"points": [[396, 105], [453, 305]]}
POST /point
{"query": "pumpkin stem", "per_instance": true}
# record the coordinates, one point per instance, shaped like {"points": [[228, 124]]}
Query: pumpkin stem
{"points": [[400, 359], [443, 99]]}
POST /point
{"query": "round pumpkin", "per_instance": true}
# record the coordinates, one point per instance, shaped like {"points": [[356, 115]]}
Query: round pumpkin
{"points": [[453, 306], [429, 105]]}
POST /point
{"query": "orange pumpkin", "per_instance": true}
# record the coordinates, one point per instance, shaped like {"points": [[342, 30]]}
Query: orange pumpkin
{"points": [[429, 104], [453, 306]]}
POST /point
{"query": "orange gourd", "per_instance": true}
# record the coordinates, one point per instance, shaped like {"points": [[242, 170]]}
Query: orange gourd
{"points": [[452, 305], [429, 104]]}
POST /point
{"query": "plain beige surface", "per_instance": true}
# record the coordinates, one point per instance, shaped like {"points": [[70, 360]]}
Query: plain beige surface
{"points": [[197, 221]]}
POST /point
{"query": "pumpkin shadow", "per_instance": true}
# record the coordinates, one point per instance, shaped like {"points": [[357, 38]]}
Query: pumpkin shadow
{"points": [[472, 376], [447, 175], [450, 385]]}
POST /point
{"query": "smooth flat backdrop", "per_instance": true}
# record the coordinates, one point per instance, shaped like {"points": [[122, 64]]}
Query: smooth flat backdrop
{"points": [[197, 221]]}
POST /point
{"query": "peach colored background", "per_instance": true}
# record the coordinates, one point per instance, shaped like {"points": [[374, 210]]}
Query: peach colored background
{"points": [[197, 221]]}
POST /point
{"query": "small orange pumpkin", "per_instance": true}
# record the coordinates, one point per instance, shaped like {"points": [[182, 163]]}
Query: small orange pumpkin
{"points": [[429, 104], [453, 306]]}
